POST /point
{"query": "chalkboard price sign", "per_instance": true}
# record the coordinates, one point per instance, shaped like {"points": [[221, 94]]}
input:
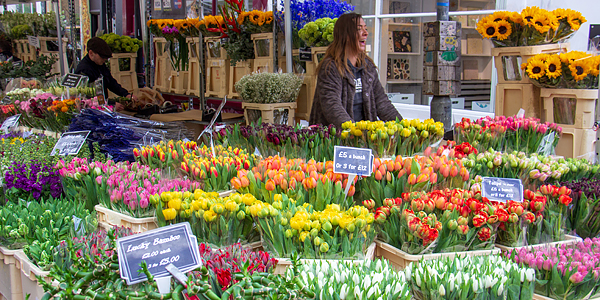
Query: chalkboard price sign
{"points": [[174, 244], [33, 41], [9, 123], [18, 64], [71, 80], [349, 160], [502, 189], [70, 143], [305, 54]]}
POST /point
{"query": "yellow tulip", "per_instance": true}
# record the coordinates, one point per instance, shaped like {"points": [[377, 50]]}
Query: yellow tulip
{"points": [[169, 213]]}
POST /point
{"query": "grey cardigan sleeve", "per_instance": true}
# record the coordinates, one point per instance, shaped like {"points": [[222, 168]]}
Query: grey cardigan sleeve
{"points": [[385, 109], [330, 88]]}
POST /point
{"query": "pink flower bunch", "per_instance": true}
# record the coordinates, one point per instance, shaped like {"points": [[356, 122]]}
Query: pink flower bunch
{"points": [[170, 30], [94, 104], [24, 105], [514, 124], [44, 96], [579, 262]]}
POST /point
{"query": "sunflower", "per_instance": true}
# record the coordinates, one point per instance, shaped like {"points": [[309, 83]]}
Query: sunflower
{"points": [[185, 24], [504, 30], [541, 23], [254, 16], [536, 69], [242, 17], [575, 19], [529, 13], [500, 15], [579, 69], [560, 13], [149, 23], [553, 66], [488, 30], [162, 24], [269, 17], [595, 66], [515, 17], [261, 20]]}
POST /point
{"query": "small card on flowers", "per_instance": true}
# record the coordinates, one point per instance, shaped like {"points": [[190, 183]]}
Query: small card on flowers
{"points": [[70, 143], [353, 161], [173, 244], [502, 189]]}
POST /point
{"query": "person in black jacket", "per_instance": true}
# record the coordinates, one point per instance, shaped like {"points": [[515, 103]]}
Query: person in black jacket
{"points": [[93, 65], [6, 51]]}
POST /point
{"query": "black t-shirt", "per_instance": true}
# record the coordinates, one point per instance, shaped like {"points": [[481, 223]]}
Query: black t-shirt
{"points": [[357, 106]]}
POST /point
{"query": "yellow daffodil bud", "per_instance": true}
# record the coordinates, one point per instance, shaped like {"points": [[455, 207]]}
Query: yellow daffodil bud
{"points": [[277, 204], [248, 199], [196, 205], [218, 208], [326, 226], [209, 216], [289, 234], [277, 197], [315, 225], [263, 213], [317, 241], [351, 227], [314, 232], [231, 206], [199, 213]]}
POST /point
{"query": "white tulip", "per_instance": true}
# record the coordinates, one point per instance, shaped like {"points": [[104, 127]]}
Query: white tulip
{"points": [[530, 273], [357, 292], [367, 282], [475, 285], [331, 291], [378, 265], [370, 292], [356, 279], [442, 290], [344, 291], [418, 280], [388, 288], [500, 289], [522, 275]]}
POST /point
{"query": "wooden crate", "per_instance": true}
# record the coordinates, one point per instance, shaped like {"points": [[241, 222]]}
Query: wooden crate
{"points": [[584, 110], [284, 263], [126, 78], [29, 277], [194, 47], [44, 50], [108, 218], [508, 60], [214, 49], [179, 81], [10, 279], [162, 65], [510, 98], [400, 259], [217, 77], [24, 51], [569, 240], [305, 98], [267, 111], [236, 73], [540, 297], [577, 143]]}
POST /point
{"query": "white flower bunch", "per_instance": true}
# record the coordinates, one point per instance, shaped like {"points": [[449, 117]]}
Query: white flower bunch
{"points": [[263, 87], [481, 277], [375, 280]]}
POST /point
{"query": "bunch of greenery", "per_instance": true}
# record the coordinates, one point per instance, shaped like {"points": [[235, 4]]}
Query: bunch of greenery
{"points": [[318, 33], [39, 69], [121, 43], [19, 25]]}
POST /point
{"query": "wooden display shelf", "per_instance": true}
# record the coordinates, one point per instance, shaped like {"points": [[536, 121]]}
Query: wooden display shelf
{"points": [[403, 81], [404, 24]]}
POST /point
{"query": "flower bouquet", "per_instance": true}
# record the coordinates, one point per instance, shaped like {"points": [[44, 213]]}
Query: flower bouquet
{"points": [[533, 26], [256, 21], [572, 70], [583, 217], [233, 273], [406, 137], [239, 45], [344, 280], [332, 233], [211, 25], [318, 33], [174, 31], [565, 272], [391, 178], [304, 182], [471, 277], [31, 180], [217, 221]]}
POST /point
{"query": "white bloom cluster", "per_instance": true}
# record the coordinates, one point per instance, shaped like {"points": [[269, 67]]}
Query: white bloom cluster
{"points": [[466, 277], [375, 280], [26, 92]]}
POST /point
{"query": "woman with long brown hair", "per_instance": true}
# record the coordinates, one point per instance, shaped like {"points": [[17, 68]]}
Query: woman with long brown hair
{"points": [[348, 86]]}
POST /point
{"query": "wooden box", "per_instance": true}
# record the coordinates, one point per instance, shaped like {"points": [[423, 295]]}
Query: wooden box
{"points": [[470, 69], [474, 44], [194, 48], [508, 60], [236, 73], [510, 98], [577, 143], [442, 43], [305, 98], [162, 65], [267, 110], [442, 28], [574, 107], [126, 77], [441, 58], [217, 77], [46, 50]]}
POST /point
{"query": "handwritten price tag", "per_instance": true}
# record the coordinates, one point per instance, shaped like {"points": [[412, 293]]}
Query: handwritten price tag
{"points": [[70, 143], [9, 123], [174, 244], [502, 189], [354, 161], [71, 80]]}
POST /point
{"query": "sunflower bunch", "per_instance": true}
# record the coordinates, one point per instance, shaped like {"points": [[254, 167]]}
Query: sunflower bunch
{"points": [[217, 221], [574, 69], [286, 228], [388, 139], [157, 25], [211, 25], [187, 27], [256, 21], [533, 26]]}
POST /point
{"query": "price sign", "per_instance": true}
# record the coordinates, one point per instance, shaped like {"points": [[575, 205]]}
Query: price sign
{"points": [[70, 143], [355, 161], [71, 80], [18, 64], [33, 41], [502, 189], [9, 123], [99, 86], [174, 244], [305, 54]]}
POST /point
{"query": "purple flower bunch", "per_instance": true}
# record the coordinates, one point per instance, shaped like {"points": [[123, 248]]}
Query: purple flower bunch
{"points": [[572, 269], [170, 30], [32, 178], [307, 11]]}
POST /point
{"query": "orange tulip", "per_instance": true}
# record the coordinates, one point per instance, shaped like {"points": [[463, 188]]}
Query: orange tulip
{"points": [[284, 185], [412, 179], [245, 182], [433, 178], [270, 185], [378, 175], [293, 183], [351, 191], [376, 163], [136, 152], [236, 183], [422, 178]]}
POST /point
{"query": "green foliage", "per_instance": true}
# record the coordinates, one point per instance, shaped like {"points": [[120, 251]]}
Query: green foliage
{"points": [[19, 25], [121, 43], [39, 69], [318, 33]]}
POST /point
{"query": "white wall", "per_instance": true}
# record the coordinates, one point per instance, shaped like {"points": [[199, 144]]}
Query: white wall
{"points": [[589, 9]]}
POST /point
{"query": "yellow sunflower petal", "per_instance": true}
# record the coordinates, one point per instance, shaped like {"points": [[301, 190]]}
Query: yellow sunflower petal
{"points": [[553, 66]]}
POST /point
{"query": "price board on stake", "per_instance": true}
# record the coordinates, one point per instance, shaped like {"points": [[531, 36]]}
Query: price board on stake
{"points": [[70, 143], [502, 189], [353, 161], [305, 54], [71, 80], [33, 41], [174, 244], [18, 64], [10, 122]]}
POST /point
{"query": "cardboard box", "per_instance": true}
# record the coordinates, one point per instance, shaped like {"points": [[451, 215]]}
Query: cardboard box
{"points": [[470, 69], [483, 106], [401, 98], [474, 44]]}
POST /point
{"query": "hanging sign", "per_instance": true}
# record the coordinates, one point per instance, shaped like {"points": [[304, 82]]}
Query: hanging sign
{"points": [[502, 189], [174, 244], [354, 161], [70, 143]]}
